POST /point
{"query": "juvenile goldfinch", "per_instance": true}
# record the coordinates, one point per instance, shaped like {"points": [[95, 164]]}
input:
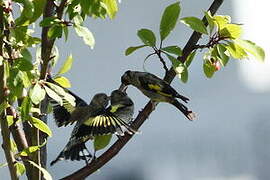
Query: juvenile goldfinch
{"points": [[122, 107], [96, 120], [156, 89], [79, 137]]}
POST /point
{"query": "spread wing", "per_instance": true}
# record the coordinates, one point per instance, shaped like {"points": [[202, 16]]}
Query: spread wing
{"points": [[62, 114]]}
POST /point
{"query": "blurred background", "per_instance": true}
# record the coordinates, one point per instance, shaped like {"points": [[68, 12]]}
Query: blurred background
{"points": [[230, 138]]}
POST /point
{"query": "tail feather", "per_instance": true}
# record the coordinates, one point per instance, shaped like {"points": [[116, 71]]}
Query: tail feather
{"points": [[72, 153], [189, 114], [183, 98]]}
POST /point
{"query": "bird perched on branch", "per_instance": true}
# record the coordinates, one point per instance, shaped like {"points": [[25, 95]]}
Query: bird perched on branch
{"points": [[156, 89], [95, 120]]}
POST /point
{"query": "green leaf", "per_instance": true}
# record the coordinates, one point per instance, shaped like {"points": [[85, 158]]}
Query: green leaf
{"points": [[24, 77], [31, 149], [49, 21], [210, 21], [208, 69], [55, 32], [65, 29], [194, 23], [3, 106], [10, 120], [236, 51], [169, 19], [111, 7], [20, 169], [67, 65], [132, 49], [221, 21], [147, 37], [173, 50], [46, 174], [26, 55], [222, 56], [232, 31], [13, 146], [175, 62], [54, 55], [179, 68], [38, 9], [37, 123], [87, 35], [100, 142], [25, 108], [252, 48], [190, 58], [37, 94], [63, 81], [23, 64], [26, 14], [85, 5], [3, 165], [53, 95], [184, 75]]}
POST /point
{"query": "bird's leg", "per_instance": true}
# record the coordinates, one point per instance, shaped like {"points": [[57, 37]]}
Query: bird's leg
{"points": [[85, 158]]}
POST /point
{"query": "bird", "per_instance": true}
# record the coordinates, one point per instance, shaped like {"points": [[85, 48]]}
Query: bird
{"points": [[98, 121], [156, 89], [79, 137], [122, 107]]}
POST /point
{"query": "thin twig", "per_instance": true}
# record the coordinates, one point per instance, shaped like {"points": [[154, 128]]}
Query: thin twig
{"points": [[143, 115]]}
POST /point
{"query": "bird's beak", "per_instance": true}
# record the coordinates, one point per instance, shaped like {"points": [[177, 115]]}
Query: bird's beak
{"points": [[123, 87]]}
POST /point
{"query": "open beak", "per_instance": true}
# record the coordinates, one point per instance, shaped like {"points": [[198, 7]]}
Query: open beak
{"points": [[123, 87]]}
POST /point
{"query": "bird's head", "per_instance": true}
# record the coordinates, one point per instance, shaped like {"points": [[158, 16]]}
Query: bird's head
{"points": [[101, 100], [125, 80]]}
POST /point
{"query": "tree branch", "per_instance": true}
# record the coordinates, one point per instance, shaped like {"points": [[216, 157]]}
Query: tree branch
{"points": [[4, 124], [143, 115]]}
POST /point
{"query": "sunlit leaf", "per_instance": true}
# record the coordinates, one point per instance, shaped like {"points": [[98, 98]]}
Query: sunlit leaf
{"points": [[210, 21], [236, 51], [169, 20], [87, 35], [63, 81], [46, 174], [31, 149], [190, 58], [233, 31], [20, 169], [194, 23], [37, 94], [222, 55], [67, 65], [55, 32], [132, 49], [147, 37], [37, 123], [10, 120], [221, 21], [111, 7], [251, 48]]}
